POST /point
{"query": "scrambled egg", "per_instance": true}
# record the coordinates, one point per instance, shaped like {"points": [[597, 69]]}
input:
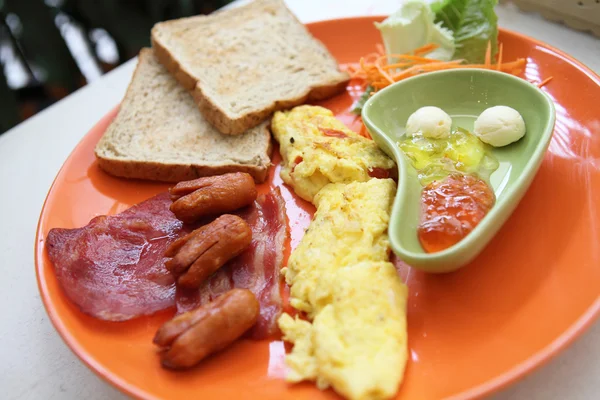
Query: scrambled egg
{"points": [[339, 275], [318, 149], [357, 343], [349, 226], [354, 338]]}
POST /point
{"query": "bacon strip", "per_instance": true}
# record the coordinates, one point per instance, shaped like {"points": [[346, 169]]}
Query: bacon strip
{"points": [[113, 268], [257, 269]]}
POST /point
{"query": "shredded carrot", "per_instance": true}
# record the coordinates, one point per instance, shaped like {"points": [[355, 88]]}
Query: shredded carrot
{"points": [[410, 57], [499, 57], [425, 49], [406, 73], [545, 81], [440, 65], [397, 65], [372, 57], [380, 70]]}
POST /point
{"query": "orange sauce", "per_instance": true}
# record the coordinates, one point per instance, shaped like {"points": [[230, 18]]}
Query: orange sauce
{"points": [[450, 209]]}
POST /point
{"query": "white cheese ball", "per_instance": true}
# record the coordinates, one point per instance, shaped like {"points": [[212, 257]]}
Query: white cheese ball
{"points": [[499, 126], [431, 122]]}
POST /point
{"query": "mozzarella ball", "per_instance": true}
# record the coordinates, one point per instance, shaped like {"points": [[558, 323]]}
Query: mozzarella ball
{"points": [[431, 122], [499, 126]]}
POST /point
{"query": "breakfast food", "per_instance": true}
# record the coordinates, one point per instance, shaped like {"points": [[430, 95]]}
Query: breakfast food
{"points": [[244, 63], [412, 26], [499, 126], [223, 276], [350, 225], [318, 149], [199, 254], [158, 134], [348, 325], [357, 343], [435, 159], [339, 275], [256, 268], [451, 208], [113, 268], [431, 122], [190, 337], [212, 195], [343, 256], [453, 170], [427, 36]]}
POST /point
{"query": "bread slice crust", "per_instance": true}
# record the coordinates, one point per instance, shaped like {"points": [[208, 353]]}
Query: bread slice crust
{"points": [[315, 72], [205, 151]]}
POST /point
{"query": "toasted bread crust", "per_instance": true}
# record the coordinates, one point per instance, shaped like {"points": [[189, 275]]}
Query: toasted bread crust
{"points": [[217, 115], [220, 120], [174, 173], [171, 172]]}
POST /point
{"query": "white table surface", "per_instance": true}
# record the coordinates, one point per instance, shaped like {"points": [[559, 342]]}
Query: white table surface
{"points": [[34, 361]]}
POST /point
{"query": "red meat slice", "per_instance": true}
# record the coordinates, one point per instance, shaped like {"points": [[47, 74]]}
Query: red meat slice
{"points": [[257, 269], [113, 268]]}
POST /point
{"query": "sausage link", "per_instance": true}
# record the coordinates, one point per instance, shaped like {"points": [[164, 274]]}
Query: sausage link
{"points": [[192, 336], [212, 195], [187, 187], [170, 330], [207, 249], [174, 248]]}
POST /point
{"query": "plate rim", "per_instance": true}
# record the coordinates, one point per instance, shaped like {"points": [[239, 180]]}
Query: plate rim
{"points": [[491, 386]]}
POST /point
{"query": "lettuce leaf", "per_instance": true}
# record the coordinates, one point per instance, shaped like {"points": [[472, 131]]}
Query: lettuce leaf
{"points": [[413, 26], [473, 22]]}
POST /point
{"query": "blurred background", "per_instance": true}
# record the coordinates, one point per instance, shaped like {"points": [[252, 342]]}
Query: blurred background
{"points": [[50, 48]]}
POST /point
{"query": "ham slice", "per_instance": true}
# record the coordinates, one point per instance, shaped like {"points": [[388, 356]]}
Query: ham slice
{"points": [[113, 268], [256, 269]]}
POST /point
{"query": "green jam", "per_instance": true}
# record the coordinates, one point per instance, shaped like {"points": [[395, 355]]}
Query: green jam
{"points": [[435, 159]]}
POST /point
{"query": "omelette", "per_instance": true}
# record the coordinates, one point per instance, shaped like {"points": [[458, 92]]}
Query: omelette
{"points": [[351, 331], [355, 339], [349, 226], [357, 343], [318, 149]]}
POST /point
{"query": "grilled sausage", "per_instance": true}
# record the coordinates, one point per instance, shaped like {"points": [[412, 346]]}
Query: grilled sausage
{"points": [[199, 254], [212, 195], [190, 337]]}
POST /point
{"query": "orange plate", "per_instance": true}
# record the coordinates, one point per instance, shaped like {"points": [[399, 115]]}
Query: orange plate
{"points": [[531, 292]]}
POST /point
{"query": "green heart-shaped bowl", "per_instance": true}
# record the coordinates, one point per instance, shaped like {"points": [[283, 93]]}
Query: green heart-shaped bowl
{"points": [[463, 94]]}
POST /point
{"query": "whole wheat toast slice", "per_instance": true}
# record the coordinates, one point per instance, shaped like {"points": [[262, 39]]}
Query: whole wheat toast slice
{"points": [[244, 63], [159, 134]]}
